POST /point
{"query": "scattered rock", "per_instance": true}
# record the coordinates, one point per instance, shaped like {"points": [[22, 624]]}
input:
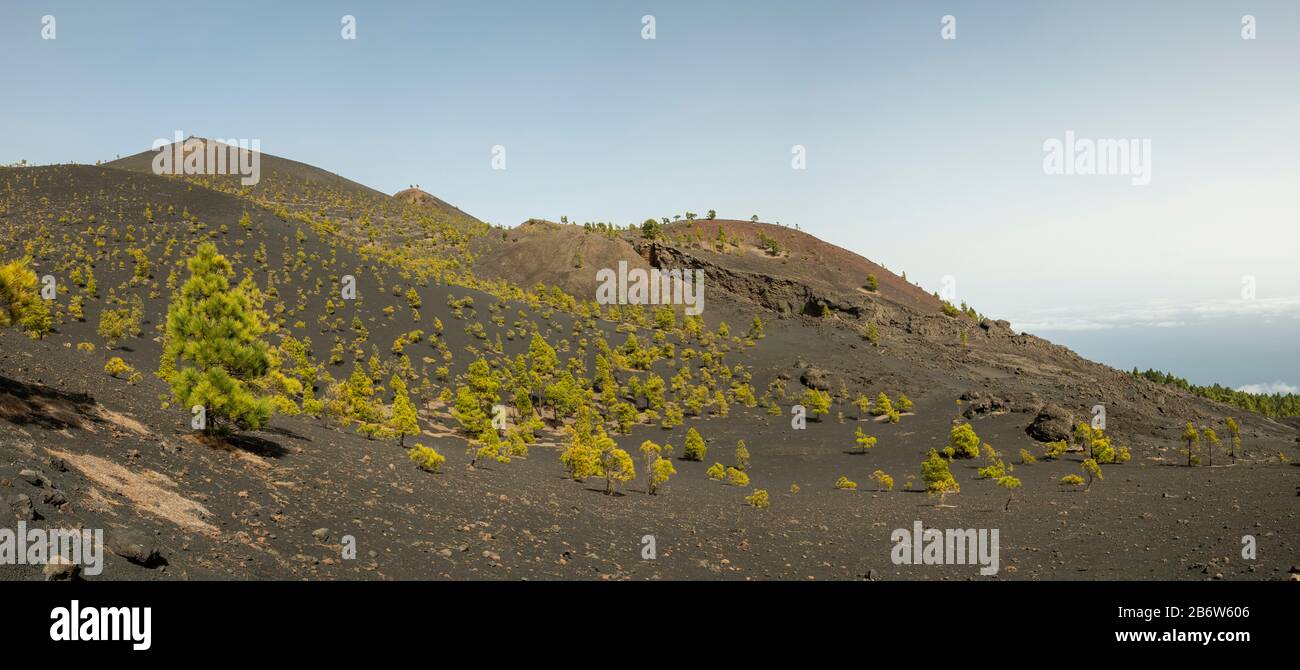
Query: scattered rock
{"points": [[22, 507], [321, 534], [134, 545], [60, 569], [32, 477], [1051, 424], [54, 497], [816, 378], [983, 404]]}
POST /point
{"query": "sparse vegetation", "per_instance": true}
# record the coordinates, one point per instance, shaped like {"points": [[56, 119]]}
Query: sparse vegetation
{"points": [[426, 458]]}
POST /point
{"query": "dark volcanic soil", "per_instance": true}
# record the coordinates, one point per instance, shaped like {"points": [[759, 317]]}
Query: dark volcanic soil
{"points": [[249, 511]]}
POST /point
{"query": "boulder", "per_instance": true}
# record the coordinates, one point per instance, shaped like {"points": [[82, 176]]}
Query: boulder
{"points": [[60, 569], [22, 508], [1052, 423], [33, 477], [134, 545], [816, 378]]}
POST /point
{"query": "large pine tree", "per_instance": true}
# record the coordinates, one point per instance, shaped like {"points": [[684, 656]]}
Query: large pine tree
{"points": [[20, 301], [213, 347]]}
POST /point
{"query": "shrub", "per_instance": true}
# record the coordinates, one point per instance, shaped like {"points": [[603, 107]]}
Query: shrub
{"points": [[964, 442], [883, 480], [818, 403], [404, 420], [1071, 480], [864, 442], [742, 456], [737, 478], [995, 468], [938, 478], [758, 498], [1053, 450], [426, 458], [904, 403], [117, 367], [1010, 484], [1193, 438], [695, 448], [1101, 448], [883, 405], [116, 325], [716, 471], [1027, 458], [618, 468], [846, 483], [992, 471], [1093, 471], [20, 300], [659, 472], [871, 334]]}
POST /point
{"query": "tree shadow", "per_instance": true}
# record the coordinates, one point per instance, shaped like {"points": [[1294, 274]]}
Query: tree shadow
{"points": [[249, 443], [615, 494], [45, 407], [285, 432]]}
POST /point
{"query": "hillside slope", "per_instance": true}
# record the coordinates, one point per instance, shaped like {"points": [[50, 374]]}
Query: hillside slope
{"points": [[438, 296]]}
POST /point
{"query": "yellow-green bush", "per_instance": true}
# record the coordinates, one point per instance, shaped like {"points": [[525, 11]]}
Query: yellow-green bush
{"points": [[117, 367], [426, 458], [737, 478]]}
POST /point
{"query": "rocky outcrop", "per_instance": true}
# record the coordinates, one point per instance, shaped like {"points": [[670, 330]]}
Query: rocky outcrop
{"points": [[1052, 423]]}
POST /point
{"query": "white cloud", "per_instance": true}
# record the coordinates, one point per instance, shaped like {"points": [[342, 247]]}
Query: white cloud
{"points": [[1269, 389], [1157, 314]]}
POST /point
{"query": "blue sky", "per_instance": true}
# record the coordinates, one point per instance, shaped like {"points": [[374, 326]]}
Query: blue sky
{"points": [[924, 154]]}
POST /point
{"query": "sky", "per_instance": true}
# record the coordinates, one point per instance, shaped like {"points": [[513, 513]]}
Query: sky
{"points": [[922, 153]]}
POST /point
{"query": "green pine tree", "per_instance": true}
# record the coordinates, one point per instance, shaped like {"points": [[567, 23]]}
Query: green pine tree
{"points": [[404, 420], [216, 335], [20, 300]]}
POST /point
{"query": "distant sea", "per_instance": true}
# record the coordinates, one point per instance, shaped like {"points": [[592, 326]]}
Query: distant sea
{"points": [[1232, 352]]}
